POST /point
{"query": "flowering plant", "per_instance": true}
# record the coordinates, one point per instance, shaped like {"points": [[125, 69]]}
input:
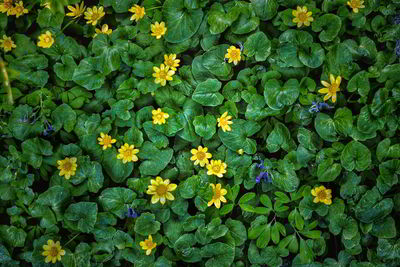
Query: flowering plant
{"points": [[199, 133]]}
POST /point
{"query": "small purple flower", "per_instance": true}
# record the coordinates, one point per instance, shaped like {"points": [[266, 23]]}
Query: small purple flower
{"points": [[263, 176], [397, 48], [49, 128], [240, 44], [318, 106], [396, 19], [261, 165], [131, 213]]}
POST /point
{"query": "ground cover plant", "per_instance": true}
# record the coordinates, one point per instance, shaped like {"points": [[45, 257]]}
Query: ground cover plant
{"points": [[199, 133]]}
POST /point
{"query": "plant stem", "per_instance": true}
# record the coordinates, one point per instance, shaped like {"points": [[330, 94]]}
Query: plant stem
{"points": [[71, 239], [69, 23], [7, 85], [153, 8]]}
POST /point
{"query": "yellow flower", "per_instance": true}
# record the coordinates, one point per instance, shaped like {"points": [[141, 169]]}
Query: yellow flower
{"points": [[52, 251], [148, 245], [128, 153], [322, 194], [7, 44], [162, 74], [19, 9], [233, 55], [218, 195], [138, 12], [356, 5], [105, 140], [224, 122], [67, 167], [160, 189], [216, 167], [46, 40], [159, 116], [93, 15], [7, 6], [104, 30], [158, 29], [240, 151], [331, 88], [76, 11], [301, 16], [200, 155], [171, 61], [46, 5]]}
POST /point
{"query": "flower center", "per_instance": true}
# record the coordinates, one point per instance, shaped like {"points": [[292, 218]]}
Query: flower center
{"points": [[216, 168], [19, 9], [67, 166], [7, 43], [333, 88], [8, 5], [95, 16], [302, 16], [234, 54], [158, 30], [47, 39], [217, 194], [160, 117], [200, 155], [149, 243], [54, 252], [161, 190], [128, 153], [106, 141], [162, 74], [223, 122], [321, 194]]}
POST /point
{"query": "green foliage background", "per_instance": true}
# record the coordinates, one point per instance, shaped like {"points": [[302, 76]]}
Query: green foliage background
{"points": [[84, 86]]}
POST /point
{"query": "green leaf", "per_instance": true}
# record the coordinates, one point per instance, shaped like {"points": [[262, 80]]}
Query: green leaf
{"points": [[81, 216], [221, 254], [146, 224], [371, 207], [55, 197], [114, 167], [355, 155], [191, 109], [257, 45], [312, 57], [218, 20], [278, 96], [329, 24], [359, 83], [65, 116], [153, 159], [328, 171], [65, 70], [207, 94], [182, 22], [13, 236], [48, 18], [34, 149], [285, 177], [325, 127], [205, 126], [265, 9], [280, 138], [117, 200], [238, 138], [121, 109], [306, 254], [86, 76], [237, 230]]}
